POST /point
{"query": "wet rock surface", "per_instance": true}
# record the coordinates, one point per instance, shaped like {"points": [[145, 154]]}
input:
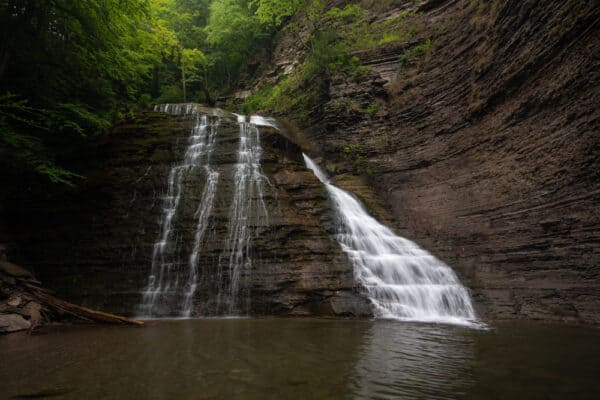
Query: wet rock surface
{"points": [[19, 310], [13, 323]]}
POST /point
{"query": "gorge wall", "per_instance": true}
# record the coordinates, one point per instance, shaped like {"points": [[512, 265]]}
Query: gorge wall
{"points": [[483, 147], [486, 149]]}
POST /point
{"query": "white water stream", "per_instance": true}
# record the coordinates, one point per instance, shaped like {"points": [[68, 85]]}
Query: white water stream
{"points": [[248, 210], [164, 280], [171, 288], [402, 280]]}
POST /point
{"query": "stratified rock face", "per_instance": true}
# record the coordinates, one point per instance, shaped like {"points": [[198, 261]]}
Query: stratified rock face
{"points": [[487, 149], [94, 245]]}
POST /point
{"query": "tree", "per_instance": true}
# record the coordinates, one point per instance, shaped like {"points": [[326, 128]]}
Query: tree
{"points": [[178, 25], [69, 69], [234, 36], [192, 60], [65, 69], [273, 12]]}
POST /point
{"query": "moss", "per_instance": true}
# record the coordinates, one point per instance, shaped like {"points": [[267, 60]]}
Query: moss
{"points": [[416, 53], [371, 109], [364, 35], [350, 12], [389, 38]]}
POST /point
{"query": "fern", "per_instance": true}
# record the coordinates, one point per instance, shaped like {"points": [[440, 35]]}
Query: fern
{"points": [[22, 132]]}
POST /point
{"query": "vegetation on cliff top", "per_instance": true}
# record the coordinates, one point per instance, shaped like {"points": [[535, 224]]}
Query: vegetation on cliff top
{"points": [[72, 69], [332, 35], [69, 70]]}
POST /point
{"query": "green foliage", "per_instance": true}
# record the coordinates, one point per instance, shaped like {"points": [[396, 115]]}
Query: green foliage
{"points": [[352, 149], [78, 118], [356, 32], [65, 68], [77, 66], [349, 13], [170, 94], [329, 53], [193, 59], [145, 101], [301, 93], [80, 50], [273, 12], [22, 132], [372, 109], [284, 97], [263, 99], [176, 29], [394, 29], [324, 55], [234, 36], [415, 53], [69, 69]]}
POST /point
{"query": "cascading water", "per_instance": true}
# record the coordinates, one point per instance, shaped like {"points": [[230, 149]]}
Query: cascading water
{"points": [[173, 284], [204, 211], [402, 280], [164, 281], [248, 210]]}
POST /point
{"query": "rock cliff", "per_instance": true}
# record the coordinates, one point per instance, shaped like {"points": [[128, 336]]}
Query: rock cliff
{"points": [[485, 147], [477, 137]]}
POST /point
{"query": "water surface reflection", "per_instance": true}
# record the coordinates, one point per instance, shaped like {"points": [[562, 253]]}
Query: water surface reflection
{"points": [[414, 361], [301, 359]]}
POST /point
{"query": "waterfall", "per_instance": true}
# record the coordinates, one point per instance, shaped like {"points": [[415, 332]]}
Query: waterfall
{"points": [[401, 280], [248, 210], [172, 284], [163, 288], [204, 211]]}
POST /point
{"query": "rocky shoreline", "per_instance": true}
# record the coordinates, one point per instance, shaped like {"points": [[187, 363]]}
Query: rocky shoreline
{"points": [[25, 305]]}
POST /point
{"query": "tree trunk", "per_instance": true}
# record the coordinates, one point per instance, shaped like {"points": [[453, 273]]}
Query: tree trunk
{"points": [[209, 99], [183, 82], [155, 88], [79, 312]]}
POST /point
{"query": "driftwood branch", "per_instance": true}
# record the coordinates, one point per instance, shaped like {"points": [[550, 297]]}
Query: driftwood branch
{"points": [[80, 312], [24, 301]]}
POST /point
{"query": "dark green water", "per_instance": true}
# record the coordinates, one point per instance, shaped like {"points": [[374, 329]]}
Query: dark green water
{"points": [[303, 359]]}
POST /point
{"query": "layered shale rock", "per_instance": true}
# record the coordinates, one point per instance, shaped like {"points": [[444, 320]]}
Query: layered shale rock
{"points": [[485, 147]]}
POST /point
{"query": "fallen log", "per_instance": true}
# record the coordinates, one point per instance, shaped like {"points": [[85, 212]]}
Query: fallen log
{"points": [[25, 304], [80, 312]]}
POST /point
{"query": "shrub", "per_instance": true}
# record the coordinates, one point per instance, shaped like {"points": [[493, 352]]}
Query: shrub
{"points": [[416, 52], [372, 109]]}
